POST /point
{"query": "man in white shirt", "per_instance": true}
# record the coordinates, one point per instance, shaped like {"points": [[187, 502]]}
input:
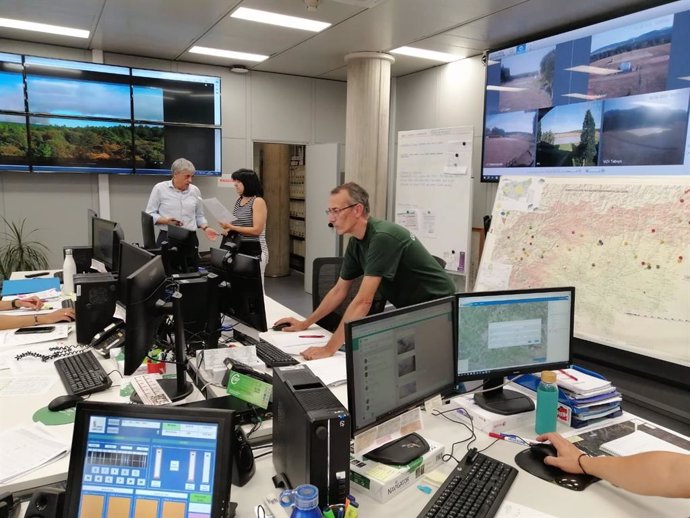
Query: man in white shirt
{"points": [[178, 202]]}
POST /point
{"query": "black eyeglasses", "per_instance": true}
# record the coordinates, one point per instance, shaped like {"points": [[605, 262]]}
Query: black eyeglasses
{"points": [[335, 212]]}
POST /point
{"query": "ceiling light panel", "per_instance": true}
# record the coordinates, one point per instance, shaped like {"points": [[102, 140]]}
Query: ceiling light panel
{"points": [[43, 27], [292, 22], [230, 54], [433, 55]]}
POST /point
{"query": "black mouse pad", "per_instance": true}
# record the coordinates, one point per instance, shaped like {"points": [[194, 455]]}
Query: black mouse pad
{"points": [[535, 466]]}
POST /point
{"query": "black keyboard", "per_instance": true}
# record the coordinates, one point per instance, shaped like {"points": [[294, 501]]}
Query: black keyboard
{"points": [[67, 303], [82, 374], [267, 352], [475, 488]]}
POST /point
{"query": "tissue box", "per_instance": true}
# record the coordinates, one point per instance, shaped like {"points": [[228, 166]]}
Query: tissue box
{"points": [[488, 421], [383, 482]]}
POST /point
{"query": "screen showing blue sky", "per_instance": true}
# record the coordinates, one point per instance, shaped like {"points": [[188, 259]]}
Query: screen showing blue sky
{"points": [[78, 98], [569, 117], [628, 32], [11, 92], [148, 103]]}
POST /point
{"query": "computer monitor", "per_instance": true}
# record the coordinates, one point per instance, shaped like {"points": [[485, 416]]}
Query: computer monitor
{"points": [[241, 288], [131, 460], [145, 309], [130, 260], [90, 214], [148, 232], [181, 252], [505, 333], [397, 359], [105, 238]]}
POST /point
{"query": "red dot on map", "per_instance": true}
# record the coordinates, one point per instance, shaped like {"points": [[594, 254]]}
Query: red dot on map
{"points": [[680, 258], [643, 263], [682, 200], [653, 230]]}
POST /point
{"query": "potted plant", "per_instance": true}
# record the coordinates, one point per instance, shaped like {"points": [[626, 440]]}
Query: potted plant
{"points": [[18, 252]]}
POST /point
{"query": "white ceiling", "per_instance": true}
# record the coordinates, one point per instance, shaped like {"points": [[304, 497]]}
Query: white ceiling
{"points": [[167, 29]]}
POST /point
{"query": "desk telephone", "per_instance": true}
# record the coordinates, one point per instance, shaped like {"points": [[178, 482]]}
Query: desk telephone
{"points": [[113, 335]]}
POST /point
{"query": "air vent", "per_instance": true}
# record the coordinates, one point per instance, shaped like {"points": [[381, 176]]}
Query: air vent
{"points": [[317, 400], [365, 4]]}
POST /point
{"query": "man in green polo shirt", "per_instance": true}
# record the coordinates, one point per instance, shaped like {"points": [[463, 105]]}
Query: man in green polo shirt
{"points": [[389, 257]]}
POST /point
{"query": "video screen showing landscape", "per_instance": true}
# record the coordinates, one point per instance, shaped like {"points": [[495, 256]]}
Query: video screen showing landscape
{"points": [[177, 98], [14, 146], [645, 129], [568, 135], [75, 145], [610, 99], [631, 60], [527, 80], [509, 139], [157, 146], [11, 87]]}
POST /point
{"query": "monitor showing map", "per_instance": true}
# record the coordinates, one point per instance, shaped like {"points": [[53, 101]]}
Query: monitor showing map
{"points": [[609, 99], [512, 332]]}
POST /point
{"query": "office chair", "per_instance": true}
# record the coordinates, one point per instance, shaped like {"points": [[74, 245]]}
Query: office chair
{"points": [[325, 274]]}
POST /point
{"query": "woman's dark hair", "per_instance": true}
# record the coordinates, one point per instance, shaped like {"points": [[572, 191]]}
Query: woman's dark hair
{"points": [[250, 180]]}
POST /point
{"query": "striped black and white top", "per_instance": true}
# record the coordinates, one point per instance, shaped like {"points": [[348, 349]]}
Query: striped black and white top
{"points": [[244, 217]]}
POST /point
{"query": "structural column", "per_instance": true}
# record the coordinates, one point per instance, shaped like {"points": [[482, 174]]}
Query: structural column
{"points": [[368, 111]]}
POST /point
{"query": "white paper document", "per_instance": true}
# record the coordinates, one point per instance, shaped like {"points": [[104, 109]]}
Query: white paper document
{"points": [[332, 371], [217, 210], [293, 343], [26, 448], [639, 442], [9, 338], [25, 385]]}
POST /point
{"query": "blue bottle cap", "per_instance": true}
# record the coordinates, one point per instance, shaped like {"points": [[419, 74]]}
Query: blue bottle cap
{"points": [[306, 496]]}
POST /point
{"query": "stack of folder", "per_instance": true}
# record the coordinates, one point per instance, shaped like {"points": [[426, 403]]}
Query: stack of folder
{"points": [[584, 397]]}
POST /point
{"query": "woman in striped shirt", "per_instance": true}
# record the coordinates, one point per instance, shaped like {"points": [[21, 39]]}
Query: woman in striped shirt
{"points": [[250, 212]]}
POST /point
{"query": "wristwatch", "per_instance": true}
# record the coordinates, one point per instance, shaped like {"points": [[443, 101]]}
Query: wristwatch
{"points": [[14, 303]]}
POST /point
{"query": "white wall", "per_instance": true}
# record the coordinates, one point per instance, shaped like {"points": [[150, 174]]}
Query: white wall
{"points": [[448, 95], [255, 107]]}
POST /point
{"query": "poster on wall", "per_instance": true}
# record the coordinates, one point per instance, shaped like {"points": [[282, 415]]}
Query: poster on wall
{"points": [[433, 196]]}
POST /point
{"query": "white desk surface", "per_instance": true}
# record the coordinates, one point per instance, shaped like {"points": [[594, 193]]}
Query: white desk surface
{"points": [[599, 500]]}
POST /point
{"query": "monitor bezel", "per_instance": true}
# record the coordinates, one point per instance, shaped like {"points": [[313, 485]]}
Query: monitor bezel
{"points": [[512, 371], [117, 235], [349, 360], [129, 251], [85, 410]]}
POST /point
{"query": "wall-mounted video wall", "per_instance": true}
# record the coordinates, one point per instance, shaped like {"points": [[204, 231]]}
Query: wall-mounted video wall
{"points": [[609, 99], [69, 116]]}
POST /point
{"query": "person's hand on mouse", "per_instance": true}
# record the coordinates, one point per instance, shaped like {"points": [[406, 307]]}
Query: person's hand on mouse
{"points": [[293, 324], [59, 315], [568, 453]]}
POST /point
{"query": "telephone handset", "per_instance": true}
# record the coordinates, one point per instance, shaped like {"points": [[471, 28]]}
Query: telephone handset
{"points": [[113, 335]]}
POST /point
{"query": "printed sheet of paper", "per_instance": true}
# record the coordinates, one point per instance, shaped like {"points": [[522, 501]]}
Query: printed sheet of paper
{"points": [[217, 210]]}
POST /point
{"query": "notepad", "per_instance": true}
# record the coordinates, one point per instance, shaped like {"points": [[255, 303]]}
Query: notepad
{"points": [[639, 442]]}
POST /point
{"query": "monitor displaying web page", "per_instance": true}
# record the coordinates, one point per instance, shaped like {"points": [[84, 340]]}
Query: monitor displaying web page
{"points": [[512, 332], [161, 463], [397, 359]]}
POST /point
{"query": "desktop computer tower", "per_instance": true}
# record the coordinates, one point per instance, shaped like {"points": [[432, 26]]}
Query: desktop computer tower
{"points": [[82, 257], [200, 308], [311, 434], [95, 304]]}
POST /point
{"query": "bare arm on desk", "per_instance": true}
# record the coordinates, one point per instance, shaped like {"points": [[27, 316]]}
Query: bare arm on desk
{"points": [[359, 307], [655, 473]]}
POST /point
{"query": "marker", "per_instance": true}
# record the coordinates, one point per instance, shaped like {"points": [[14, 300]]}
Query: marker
{"points": [[567, 374], [312, 336]]}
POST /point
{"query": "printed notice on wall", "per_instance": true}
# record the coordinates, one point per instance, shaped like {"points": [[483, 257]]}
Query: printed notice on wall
{"points": [[434, 191]]}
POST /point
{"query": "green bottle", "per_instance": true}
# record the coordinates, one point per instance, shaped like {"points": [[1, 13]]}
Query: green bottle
{"points": [[547, 403]]}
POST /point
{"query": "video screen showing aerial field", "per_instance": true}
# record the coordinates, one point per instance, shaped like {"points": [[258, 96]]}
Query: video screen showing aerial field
{"points": [[509, 139], [527, 80]]}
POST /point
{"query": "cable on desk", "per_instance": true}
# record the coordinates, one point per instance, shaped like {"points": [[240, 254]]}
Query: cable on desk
{"points": [[261, 514], [263, 455], [447, 456], [213, 383]]}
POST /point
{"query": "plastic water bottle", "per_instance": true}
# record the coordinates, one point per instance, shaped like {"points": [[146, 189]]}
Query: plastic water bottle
{"points": [[547, 403], [69, 268], [305, 500]]}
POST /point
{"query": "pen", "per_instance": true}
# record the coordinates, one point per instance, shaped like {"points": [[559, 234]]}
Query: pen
{"points": [[509, 438], [312, 336], [567, 374]]}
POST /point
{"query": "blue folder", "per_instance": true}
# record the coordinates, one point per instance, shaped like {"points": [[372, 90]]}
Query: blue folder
{"points": [[24, 286]]}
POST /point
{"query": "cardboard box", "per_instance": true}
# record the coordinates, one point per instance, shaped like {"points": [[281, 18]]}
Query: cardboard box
{"points": [[488, 422], [383, 482]]}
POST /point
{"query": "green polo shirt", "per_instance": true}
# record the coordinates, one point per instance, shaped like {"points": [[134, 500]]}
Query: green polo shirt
{"points": [[409, 274]]}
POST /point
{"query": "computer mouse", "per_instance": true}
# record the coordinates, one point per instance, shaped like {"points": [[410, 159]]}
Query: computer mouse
{"points": [[541, 450], [280, 327], [63, 402]]}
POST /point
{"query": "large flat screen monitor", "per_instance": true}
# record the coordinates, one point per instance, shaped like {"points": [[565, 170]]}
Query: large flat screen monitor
{"points": [[181, 253], [504, 333], [131, 460], [609, 99], [397, 359], [241, 290], [105, 241]]}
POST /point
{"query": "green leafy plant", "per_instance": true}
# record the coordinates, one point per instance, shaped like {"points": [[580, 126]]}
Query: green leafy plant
{"points": [[18, 252]]}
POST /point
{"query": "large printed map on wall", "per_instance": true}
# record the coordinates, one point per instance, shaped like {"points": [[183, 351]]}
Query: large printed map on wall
{"points": [[623, 243]]}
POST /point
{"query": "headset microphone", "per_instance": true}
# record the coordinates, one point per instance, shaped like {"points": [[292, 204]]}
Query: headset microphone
{"points": [[330, 225]]}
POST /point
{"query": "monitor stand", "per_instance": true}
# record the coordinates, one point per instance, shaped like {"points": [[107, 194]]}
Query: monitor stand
{"points": [[400, 451], [500, 401], [178, 388]]}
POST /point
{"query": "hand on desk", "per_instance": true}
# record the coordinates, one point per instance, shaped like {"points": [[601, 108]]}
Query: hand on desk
{"points": [[30, 303], [292, 324], [59, 315], [317, 352]]}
